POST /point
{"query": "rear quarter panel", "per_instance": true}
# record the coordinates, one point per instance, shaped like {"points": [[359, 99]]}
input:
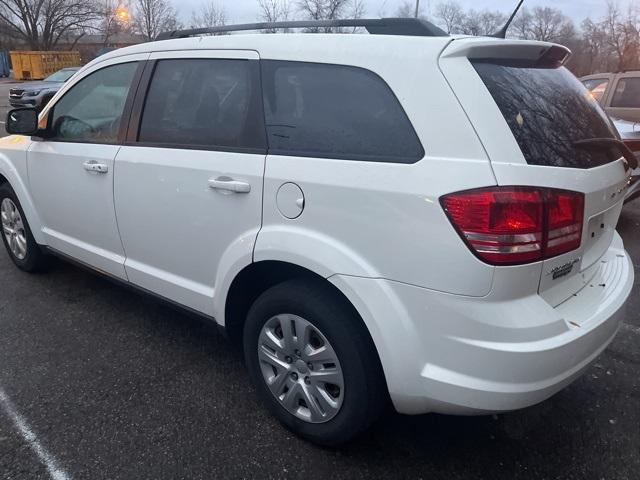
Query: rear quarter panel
{"points": [[603, 186], [384, 220]]}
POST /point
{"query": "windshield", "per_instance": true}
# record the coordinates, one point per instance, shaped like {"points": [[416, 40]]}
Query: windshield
{"points": [[60, 75], [548, 111]]}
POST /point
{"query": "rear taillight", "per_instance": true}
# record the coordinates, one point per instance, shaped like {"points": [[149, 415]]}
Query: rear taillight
{"points": [[515, 225]]}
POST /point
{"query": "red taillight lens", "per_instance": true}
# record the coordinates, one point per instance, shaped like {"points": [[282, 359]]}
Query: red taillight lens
{"points": [[565, 211], [513, 225]]}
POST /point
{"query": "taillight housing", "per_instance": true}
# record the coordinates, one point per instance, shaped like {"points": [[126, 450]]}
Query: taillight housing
{"points": [[517, 225]]}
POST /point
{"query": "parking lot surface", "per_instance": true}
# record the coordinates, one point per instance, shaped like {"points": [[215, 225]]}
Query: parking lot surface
{"points": [[98, 382], [5, 86]]}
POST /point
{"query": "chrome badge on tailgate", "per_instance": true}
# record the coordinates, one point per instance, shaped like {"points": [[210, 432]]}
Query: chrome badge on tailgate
{"points": [[562, 270]]}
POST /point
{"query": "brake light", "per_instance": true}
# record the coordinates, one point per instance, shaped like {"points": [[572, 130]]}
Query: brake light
{"points": [[516, 225]]}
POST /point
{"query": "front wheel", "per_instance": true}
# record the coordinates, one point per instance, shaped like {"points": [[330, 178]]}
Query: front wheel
{"points": [[313, 362], [16, 234]]}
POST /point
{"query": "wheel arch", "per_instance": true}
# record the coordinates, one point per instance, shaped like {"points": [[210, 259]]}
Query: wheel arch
{"points": [[258, 277]]}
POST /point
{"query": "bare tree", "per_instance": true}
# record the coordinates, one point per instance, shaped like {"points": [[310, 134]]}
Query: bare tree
{"points": [[593, 48], [521, 26], [274, 11], [450, 16], [42, 24], [550, 25], [153, 17], [407, 9], [357, 9], [209, 15], [610, 25], [7, 36], [329, 10], [621, 35], [481, 23], [114, 18]]}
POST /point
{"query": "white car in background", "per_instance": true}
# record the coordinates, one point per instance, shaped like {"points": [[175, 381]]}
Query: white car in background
{"points": [[618, 93], [630, 134], [404, 215]]}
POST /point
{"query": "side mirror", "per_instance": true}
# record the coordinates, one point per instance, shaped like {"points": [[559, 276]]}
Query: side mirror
{"points": [[22, 121]]}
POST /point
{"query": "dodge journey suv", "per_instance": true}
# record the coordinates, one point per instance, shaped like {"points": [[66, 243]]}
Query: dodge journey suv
{"points": [[400, 216]]}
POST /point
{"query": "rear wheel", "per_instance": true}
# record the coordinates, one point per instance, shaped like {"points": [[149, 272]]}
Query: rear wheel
{"points": [[313, 362], [16, 234]]}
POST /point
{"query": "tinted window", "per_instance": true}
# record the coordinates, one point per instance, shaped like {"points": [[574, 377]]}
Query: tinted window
{"points": [[597, 87], [627, 93], [91, 111], [203, 102], [336, 112], [548, 110]]}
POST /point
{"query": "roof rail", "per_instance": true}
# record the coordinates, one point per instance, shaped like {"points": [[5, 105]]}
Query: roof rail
{"points": [[376, 26]]}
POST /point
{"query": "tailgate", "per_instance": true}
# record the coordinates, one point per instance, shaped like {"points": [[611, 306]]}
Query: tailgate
{"points": [[529, 112]]}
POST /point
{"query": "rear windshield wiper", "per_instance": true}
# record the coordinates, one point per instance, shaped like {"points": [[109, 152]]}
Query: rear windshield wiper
{"points": [[607, 143]]}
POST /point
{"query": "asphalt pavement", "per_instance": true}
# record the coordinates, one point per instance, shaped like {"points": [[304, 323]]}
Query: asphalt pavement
{"points": [[5, 85], [98, 382]]}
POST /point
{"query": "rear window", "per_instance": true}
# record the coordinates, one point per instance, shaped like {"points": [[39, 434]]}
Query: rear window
{"points": [[548, 110], [203, 103]]}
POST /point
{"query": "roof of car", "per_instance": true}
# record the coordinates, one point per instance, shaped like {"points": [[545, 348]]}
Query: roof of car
{"points": [[302, 46], [343, 48]]}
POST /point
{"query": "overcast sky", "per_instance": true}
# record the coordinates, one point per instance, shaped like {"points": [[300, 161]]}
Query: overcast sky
{"points": [[241, 11]]}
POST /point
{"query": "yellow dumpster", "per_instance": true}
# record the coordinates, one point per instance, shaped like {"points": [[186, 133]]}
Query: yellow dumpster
{"points": [[36, 65]]}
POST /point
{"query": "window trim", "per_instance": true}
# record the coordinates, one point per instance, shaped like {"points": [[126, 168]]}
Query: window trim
{"points": [[138, 104], [126, 110], [351, 157]]}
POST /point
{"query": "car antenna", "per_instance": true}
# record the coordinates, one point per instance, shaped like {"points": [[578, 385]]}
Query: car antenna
{"points": [[502, 33]]}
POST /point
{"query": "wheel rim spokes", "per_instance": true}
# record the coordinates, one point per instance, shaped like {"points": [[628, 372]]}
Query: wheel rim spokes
{"points": [[13, 228], [301, 368]]}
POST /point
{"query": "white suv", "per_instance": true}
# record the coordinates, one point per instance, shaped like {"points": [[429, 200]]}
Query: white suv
{"points": [[403, 215]]}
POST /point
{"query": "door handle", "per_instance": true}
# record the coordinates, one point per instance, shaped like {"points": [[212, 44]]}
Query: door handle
{"points": [[93, 166], [229, 184]]}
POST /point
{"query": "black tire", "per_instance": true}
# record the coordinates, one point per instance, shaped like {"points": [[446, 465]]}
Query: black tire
{"points": [[35, 259], [365, 393]]}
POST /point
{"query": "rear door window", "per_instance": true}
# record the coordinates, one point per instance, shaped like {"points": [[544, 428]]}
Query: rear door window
{"points": [[627, 94], [548, 110], [204, 103], [335, 111]]}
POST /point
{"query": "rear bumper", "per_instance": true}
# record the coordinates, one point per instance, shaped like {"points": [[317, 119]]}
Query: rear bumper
{"points": [[451, 354]]}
